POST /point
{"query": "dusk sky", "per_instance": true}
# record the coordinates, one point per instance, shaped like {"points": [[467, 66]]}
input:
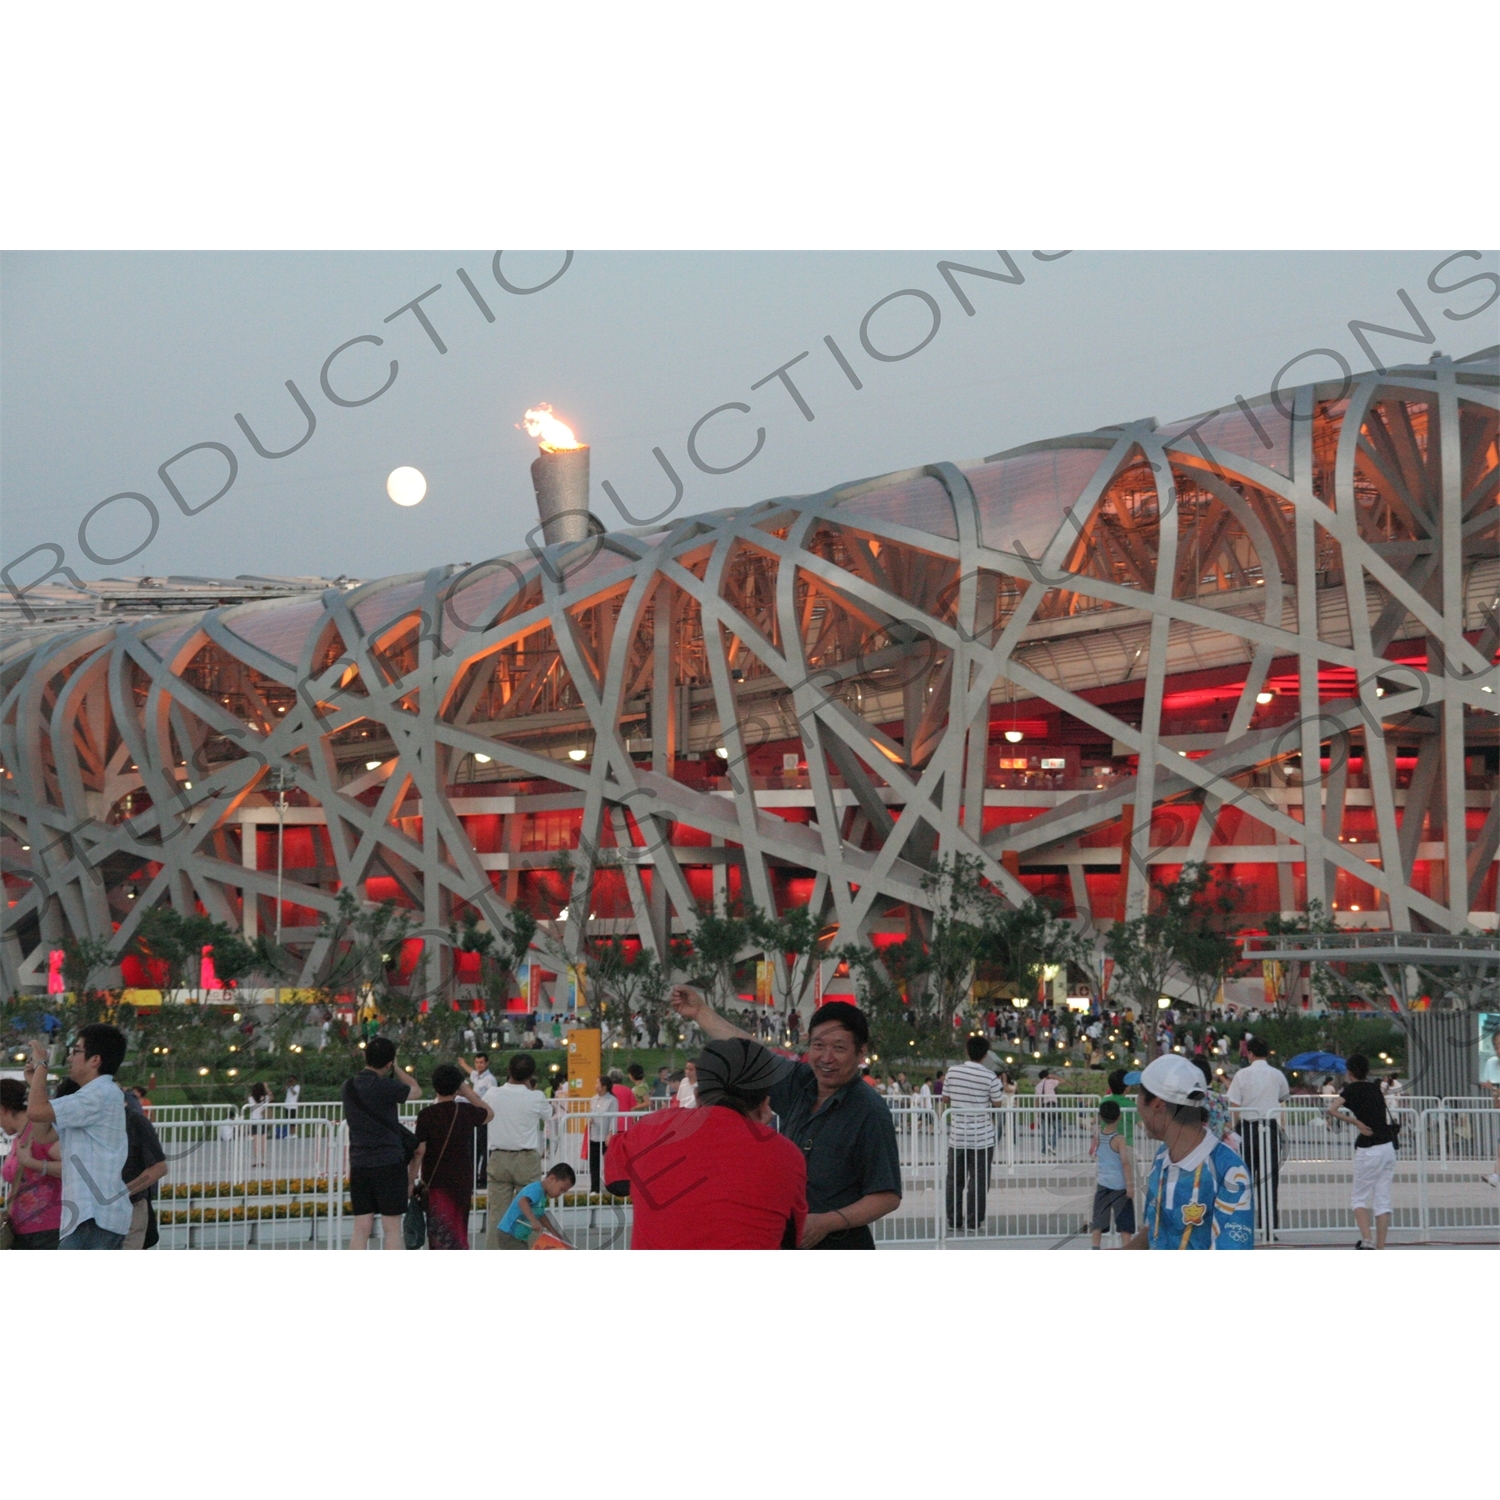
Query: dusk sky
{"points": [[113, 363]]}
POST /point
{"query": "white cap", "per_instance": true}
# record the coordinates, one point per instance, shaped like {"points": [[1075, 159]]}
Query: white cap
{"points": [[1174, 1078]]}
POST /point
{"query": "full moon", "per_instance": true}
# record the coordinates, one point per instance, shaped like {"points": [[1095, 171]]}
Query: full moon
{"points": [[406, 486]]}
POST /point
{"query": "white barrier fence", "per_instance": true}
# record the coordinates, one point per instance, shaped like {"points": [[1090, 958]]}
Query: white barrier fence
{"points": [[1023, 1173], [239, 1185]]}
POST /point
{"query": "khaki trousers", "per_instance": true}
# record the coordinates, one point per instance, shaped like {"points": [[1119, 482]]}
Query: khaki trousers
{"points": [[506, 1173], [140, 1214]]}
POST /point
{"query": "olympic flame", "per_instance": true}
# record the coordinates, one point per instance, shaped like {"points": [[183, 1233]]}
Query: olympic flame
{"points": [[554, 436]]}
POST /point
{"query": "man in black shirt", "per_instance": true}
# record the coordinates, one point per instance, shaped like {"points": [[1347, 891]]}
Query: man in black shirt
{"points": [[145, 1166], [379, 1176], [840, 1123], [1363, 1106]]}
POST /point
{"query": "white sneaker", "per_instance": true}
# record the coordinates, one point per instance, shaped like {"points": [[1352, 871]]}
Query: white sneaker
{"points": [[1493, 1179]]}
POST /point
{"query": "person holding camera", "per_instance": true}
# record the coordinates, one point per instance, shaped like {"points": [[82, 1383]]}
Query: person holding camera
{"points": [[381, 1149]]}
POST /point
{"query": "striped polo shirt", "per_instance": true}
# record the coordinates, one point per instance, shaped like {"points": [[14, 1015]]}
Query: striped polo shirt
{"points": [[970, 1087]]}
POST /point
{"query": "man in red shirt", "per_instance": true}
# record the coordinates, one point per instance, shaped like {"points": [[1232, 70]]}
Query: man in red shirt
{"points": [[719, 1177]]}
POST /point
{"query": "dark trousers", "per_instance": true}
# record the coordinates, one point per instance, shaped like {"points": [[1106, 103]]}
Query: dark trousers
{"points": [[1261, 1140], [89, 1236], [968, 1168], [596, 1165], [481, 1154]]}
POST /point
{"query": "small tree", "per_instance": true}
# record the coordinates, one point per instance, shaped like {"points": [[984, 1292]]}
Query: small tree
{"points": [[359, 945], [83, 958], [962, 905], [1142, 949], [802, 940], [1288, 974], [1020, 942], [160, 939], [234, 958], [904, 1014], [718, 941], [632, 981], [1199, 904]]}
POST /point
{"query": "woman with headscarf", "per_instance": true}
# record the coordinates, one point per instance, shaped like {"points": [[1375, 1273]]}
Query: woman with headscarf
{"points": [[718, 1177]]}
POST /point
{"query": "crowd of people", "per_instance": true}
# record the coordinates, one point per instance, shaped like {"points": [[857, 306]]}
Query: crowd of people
{"points": [[762, 1150], [748, 1147], [757, 1150]]}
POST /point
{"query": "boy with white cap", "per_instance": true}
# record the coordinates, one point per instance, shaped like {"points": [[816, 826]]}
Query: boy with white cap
{"points": [[1198, 1196]]}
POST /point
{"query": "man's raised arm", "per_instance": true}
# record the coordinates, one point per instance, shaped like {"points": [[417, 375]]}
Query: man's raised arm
{"points": [[38, 1105], [691, 1006]]}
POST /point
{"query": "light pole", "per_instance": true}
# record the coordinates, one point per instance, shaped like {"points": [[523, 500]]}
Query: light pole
{"points": [[281, 778]]}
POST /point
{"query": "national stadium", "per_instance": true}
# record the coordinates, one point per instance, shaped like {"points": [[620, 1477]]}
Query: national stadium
{"points": [[1262, 638]]}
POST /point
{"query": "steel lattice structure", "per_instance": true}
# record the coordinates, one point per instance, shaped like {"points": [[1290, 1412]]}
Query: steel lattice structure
{"points": [[807, 699]]}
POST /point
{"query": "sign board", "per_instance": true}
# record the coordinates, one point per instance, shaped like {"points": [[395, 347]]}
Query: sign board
{"points": [[584, 1062]]}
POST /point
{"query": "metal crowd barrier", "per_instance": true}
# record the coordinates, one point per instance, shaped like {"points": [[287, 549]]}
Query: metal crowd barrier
{"points": [[1303, 1175], [237, 1185], [1023, 1173]]}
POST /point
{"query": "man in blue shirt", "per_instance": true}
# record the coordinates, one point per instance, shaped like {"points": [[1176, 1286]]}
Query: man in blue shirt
{"points": [[1198, 1196], [527, 1214]]}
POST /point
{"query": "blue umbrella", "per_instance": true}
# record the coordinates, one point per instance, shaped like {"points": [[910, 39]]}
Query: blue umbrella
{"points": [[1316, 1062]]}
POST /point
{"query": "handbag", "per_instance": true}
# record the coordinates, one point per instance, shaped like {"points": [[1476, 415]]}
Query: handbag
{"points": [[408, 1138], [19, 1188], [414, 1225]]}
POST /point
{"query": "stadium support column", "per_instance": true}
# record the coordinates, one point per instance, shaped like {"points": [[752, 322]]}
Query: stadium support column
{"points": [[663, 754], [1138, 847], [979, 723], [1455, 850], [663, 699], [249, 901], [1308, 707]]}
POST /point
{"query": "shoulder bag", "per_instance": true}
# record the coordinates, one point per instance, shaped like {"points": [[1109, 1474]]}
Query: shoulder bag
{"points": [[414, 1226]]}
